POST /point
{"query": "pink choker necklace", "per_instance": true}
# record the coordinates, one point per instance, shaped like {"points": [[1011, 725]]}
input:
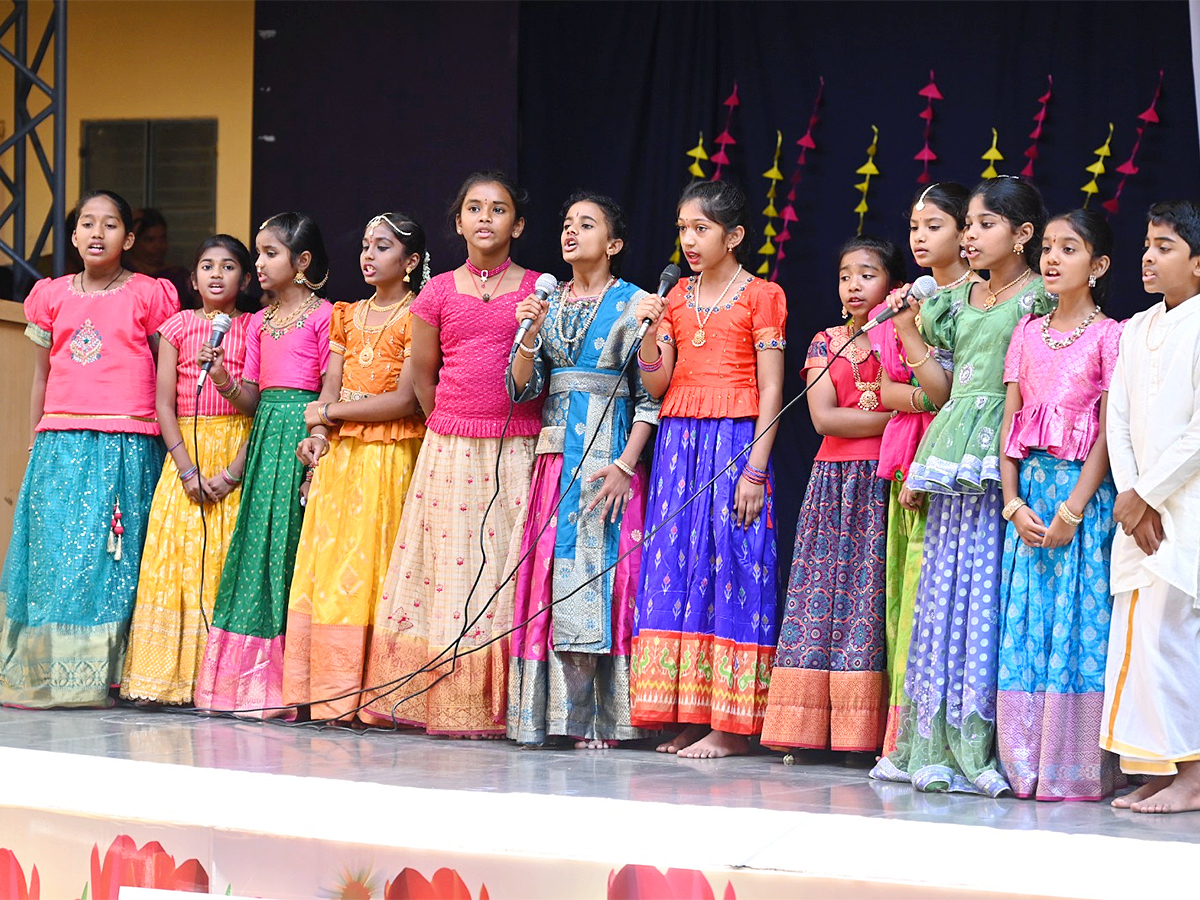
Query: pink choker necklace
{"points": [[484, 274]]}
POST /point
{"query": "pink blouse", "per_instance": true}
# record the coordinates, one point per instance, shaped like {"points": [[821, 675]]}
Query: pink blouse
{"points": [[904, 431], [1060, 389], [294, 358], [187, 333], [102, 374], [471, 398], [826, 344]]}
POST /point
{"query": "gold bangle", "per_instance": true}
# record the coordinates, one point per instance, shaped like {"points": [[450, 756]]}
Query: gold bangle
{"points": [[912, 399], [1064, 513], [1010, 508], [924, 359], [221, 385]]}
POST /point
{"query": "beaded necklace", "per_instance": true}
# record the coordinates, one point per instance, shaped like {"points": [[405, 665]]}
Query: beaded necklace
{"points": [[484, 274], [693, 296], [589, 306]]}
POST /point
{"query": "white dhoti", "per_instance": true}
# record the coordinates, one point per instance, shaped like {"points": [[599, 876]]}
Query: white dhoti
{"points": [[1152, 680]]}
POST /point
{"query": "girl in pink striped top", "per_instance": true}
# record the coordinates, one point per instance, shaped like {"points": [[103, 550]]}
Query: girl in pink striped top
{"points": [[196, 502]]}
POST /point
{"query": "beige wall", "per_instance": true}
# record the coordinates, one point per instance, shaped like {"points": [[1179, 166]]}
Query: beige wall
{"points": [[130, 59]]}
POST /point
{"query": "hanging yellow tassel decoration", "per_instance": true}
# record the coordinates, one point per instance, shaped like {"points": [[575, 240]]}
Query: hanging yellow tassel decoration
{"points": [[697, 153], [992, 157], [1097, 168], [868, 169], [774, 176]]}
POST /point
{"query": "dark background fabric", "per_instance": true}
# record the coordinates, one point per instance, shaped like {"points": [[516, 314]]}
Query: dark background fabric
{"points": [[374, 106]]}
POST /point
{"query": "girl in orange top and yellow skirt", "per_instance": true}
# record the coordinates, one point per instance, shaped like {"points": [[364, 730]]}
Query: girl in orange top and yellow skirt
{"points": [[365, 433]]}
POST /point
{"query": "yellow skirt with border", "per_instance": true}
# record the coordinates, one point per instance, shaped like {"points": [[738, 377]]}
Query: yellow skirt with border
{"points": [[168, 632], [350, 526]]}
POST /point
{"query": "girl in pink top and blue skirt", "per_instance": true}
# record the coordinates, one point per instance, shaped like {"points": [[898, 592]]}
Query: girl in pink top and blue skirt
{"points": [[287, 353], [71, 573], [1054, 589]]}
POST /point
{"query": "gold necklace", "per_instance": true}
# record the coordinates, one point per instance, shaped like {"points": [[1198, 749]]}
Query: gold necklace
{"points": [[1149, 328], [869, 400], [698, 337], [366, 355], [994, 295], [209, 314], [278, 329]]}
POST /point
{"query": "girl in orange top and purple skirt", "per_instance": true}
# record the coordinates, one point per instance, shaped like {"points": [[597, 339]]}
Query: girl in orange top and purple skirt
{"points": [[706, 618], [71, 573]]}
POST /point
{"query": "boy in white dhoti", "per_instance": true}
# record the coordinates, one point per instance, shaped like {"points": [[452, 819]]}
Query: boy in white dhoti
{"points": [[1152, 680]]}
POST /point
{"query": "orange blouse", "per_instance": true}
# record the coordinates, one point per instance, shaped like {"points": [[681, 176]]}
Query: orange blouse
{"points": [[719, 379], [367, 373]]}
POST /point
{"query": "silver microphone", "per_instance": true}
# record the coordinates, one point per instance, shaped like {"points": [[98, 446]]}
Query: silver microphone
{"points": [[923, 289], [220, 327], [542, 289]]}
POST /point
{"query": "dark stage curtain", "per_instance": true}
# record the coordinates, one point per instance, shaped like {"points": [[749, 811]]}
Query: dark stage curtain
{"points": [[365, 107], [613, 94]]}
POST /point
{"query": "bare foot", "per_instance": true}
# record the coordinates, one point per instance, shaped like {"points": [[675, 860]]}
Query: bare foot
{"points": [[716, 745], [1181, 795], [596, 744], [689, 736], [1147, 790]]}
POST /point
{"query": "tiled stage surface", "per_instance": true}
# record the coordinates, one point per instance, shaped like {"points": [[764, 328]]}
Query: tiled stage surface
{"points": [[814, 785]]}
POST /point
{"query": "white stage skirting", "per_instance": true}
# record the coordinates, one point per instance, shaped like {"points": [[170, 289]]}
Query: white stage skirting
{"points": [[282, 836]]}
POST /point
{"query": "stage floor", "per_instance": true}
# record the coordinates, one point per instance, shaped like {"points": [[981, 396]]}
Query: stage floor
{"points": [[800, 817]]}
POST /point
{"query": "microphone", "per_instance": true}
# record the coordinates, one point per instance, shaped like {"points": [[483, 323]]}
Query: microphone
{"points": [[542, 288], [221, 325], [923, 289], [667, 280]]}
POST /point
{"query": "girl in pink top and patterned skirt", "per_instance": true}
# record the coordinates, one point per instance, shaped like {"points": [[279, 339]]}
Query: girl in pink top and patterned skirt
{"points": [[440, 595], [206, 438], [287, 353], [71, 573]]}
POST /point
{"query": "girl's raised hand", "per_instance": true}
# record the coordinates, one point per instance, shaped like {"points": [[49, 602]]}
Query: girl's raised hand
{"points": [[1030, 527], [651, 307], [615, 492], [533, 308], [215, 355]]}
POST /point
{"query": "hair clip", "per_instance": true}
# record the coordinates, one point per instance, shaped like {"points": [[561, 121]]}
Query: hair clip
{"points": [[920, 204]]}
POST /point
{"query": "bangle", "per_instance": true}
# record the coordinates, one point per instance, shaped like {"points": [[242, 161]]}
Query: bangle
{"points": [[169, 449], [229, 479], [526, 352], [754, 475], [324, 440], [912, 399], [308, 472], [924, 359], [323, 415], [928, 405], [623, 466], [650, 367], [1010, 508], [232, 386], [1064, 513], [186, 476], [220, 385]]}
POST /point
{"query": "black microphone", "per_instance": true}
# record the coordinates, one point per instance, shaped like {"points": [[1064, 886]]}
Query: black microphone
{"points": [[923, 289], [667, 280], [220, 327], [542, 288]]}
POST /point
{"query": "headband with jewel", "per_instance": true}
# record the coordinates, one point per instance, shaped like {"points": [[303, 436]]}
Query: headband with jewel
{"points": [[384, 217]]}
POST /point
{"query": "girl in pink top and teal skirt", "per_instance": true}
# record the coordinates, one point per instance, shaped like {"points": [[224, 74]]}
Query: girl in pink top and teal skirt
{"points": [[1054, 589], [440, 595], [287, 353], [71, 573]]}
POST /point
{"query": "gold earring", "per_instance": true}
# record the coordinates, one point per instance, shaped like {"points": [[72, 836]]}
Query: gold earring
{"points": [[1018, 248], [406, 274], [299, 278], [845, 313]]}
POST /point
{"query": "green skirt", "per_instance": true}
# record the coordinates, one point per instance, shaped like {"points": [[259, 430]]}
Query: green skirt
{"points": [[243, 661], [905, 540]]}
